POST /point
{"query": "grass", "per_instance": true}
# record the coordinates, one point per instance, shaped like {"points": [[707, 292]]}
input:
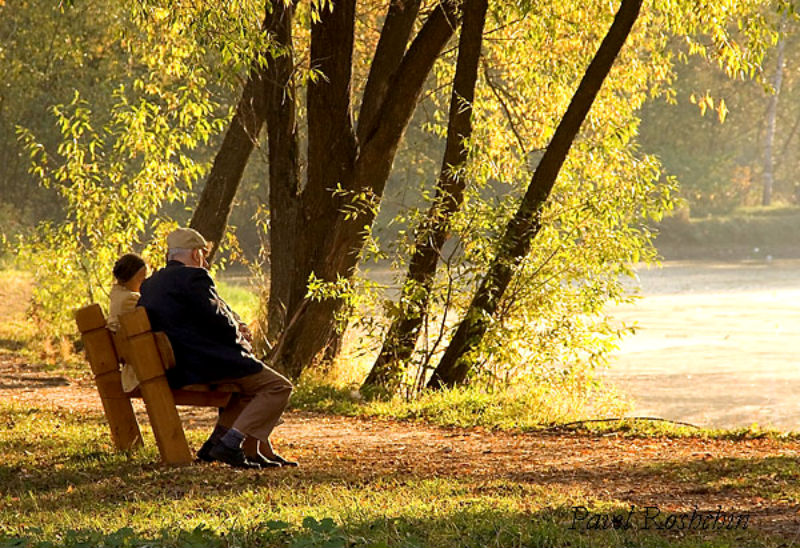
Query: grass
{"points": [[774, 478], [16, 331], [527, 407], [61, 484], [645, 427], [240, 296], [754, 233]]}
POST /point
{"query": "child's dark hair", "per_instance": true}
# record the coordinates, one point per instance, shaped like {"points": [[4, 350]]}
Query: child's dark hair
{"points": [[126, 266]]}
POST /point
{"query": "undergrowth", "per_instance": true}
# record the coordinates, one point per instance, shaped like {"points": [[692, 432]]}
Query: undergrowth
{"points": [[526, 406]]}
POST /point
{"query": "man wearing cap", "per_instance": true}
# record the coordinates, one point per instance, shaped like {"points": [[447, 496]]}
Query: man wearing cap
{"points": [[211, 346]]}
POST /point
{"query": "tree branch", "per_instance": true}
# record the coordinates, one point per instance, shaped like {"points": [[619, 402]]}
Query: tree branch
{"points": [[406, 86], [388, 55]]}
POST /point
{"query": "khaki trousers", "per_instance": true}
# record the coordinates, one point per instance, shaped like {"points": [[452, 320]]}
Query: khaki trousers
{"points": [[257, 409]]}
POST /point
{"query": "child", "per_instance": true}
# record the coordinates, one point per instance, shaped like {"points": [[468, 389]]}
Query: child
{"points": [[129, 273]]}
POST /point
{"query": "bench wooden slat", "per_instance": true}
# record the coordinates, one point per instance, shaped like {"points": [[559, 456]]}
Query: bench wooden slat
{"points": [[193, 398], [102, 357], [227, 387], [201, 399], [143, 355]]}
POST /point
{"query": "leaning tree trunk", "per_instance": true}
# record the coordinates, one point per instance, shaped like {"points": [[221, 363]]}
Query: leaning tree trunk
{"points": [[333, 233], [523, 227], [210, 217], [772, 114], [213, 210], [402, 336]]}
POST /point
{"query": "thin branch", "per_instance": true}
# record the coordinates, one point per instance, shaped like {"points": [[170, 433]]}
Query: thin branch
{"points": [[621, 419], [506, 110]]}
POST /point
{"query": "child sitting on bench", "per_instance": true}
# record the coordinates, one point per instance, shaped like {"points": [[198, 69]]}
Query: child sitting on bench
{"points": [[129, 272]]}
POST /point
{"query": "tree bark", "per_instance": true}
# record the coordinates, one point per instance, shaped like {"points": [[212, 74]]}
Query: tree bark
{"points": [[213, 210], [523, 227], [281, 108], [772, 114], [332, 240], [402, 336], [211, 215], [392, 44]]}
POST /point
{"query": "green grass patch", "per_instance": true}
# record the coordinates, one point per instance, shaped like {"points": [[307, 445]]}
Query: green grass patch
{"points": [[522, 409], [240, 296], [532, 406], [748, 233], [649, 427], [60, 484], [16, 331]]}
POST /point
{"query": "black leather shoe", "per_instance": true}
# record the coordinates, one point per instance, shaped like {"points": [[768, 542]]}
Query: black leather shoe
{"points": [[204, 453], [234, 457], [282, 461], [263, 461]]}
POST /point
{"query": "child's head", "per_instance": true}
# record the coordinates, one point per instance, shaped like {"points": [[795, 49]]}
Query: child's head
{"points": [[130, 271]]}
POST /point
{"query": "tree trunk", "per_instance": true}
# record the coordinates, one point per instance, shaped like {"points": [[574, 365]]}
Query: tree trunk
{"points": [[213, 210], [281, 107], [333, 238], [772, 113], [388, 55], [523, 227], [211, 215], [402, 336]]}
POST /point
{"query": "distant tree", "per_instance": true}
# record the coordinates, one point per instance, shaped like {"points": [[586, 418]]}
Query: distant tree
{"points": [[46, 54], [714, 133], [772, 114]]}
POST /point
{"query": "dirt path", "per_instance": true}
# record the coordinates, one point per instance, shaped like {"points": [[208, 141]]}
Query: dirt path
{"points": [[607, 468]]}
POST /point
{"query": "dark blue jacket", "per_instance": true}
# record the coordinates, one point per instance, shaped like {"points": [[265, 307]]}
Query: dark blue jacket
{"points": [[183, 302]]}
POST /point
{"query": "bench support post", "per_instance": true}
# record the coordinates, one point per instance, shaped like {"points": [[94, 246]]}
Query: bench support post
{"points": [[102, 357], [144, 356]]}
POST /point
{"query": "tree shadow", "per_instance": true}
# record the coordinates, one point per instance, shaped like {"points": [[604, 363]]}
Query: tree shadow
{"points": [[109, 480], [470, 525], [11, 344], [31, 382]]}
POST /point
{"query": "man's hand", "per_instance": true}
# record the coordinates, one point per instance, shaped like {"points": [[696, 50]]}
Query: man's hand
{"points": [[246, 333]]}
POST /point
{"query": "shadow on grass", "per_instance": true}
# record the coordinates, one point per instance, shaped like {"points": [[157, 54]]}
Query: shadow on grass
{"points": [[469, 526], [27, 382], [54, 463], [775, 477], [95, 481], [11, 344]]}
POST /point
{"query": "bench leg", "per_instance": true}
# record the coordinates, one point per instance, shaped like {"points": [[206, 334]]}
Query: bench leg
{"points": [[125, 433], [158, 400]]}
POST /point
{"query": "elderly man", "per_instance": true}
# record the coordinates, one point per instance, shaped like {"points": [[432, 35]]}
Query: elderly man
{"points": [[212, 346]]}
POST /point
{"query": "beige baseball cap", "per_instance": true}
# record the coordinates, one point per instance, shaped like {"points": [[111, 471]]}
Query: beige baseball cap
{"points": [[187, 238]]}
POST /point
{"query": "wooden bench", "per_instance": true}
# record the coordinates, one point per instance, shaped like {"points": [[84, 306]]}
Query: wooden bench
{"points": [[150, 355]]}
